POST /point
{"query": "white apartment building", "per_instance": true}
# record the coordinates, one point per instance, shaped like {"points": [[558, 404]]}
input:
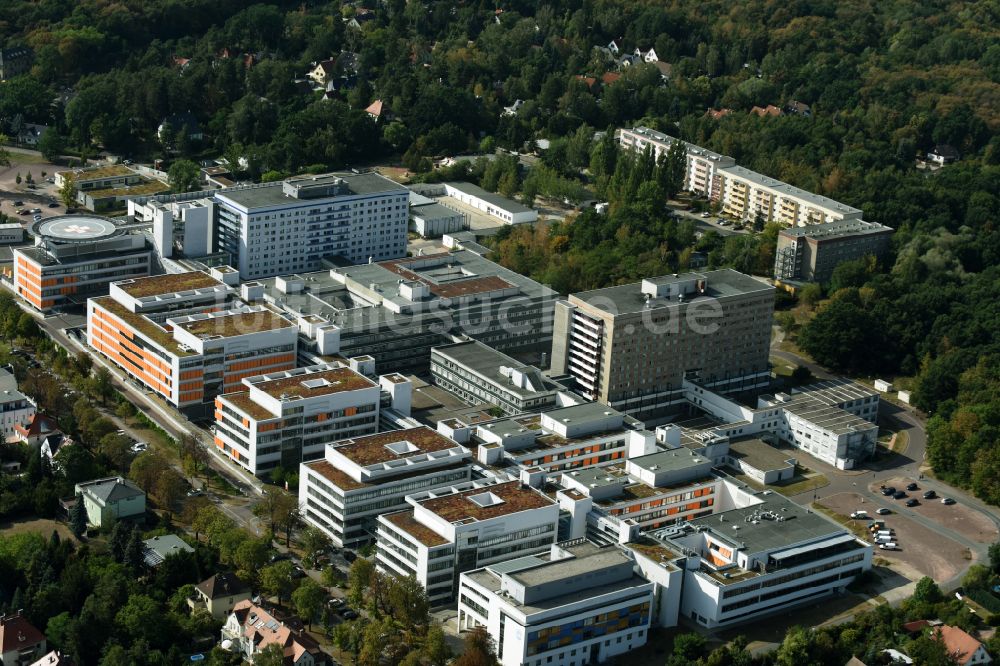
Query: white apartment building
{"points": [[363, 478], [762, 554], [15, 407], [186, 337], [574, 606], [742, 194], [291, 226], [449, 532], [286, 418]]}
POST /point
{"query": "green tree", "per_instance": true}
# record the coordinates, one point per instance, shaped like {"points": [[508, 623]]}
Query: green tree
{"points": [[78, 517], [688, 648], [184, 175], [436, 650], [478, 650], [52, 145], [927, 591], [811, 294], [359, 579], [276, 580], [272, 655], [308, 600], [68, 192], [135, 552]]}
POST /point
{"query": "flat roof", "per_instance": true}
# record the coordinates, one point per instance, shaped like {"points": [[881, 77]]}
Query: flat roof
{"points": [[142, 325], [241, 400], [759, 454], [628, 298], [432, 211], [375, 449], [486, 362], [444, 286], [167, 284], [405, 522], [315, 384], [672, 460], [503, 202], [513, 498], [345, 482], [837, 229], [76, 228], [835, 391], [570, 567], [798, 526], [97, 172], [781, 187], [236, 323], [273, 194]]}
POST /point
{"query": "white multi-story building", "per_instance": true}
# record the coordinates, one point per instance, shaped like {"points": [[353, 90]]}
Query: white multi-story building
{"points": [[186, 337], [15, 407], [450, 532], [363, 478], [762, 554], [742, 194], [574, 606], [291, 226], [285, 418]]}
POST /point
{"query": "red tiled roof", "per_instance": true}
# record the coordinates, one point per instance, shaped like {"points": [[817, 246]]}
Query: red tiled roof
{"points": [[16, 633], [610, 77], [769, 110], [960, 645]]}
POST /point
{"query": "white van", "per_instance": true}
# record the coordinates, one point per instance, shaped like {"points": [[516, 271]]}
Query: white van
{"points": [[884, 533], [891, 545], [883, 539]]}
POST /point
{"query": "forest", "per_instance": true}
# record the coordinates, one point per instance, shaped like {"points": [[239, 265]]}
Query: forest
{"points": [[884, 81]]}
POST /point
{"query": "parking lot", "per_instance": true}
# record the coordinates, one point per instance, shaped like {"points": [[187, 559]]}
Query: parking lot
{"points": [[920, 549], [964, 520]]}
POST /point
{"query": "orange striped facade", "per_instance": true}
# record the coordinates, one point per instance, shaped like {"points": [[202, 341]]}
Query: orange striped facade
{"points": [[605, 456], [34, 287], [235, 373]]}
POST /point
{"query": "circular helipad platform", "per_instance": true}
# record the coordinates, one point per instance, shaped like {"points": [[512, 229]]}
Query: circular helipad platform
{"points": [[76, 228]]}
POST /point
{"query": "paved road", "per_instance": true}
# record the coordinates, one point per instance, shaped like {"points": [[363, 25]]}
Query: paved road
{"points": [[910, 463]]}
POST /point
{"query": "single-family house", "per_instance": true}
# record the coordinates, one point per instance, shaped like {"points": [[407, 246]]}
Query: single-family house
{"points": [[250, 628], [54, 658], [609, 77], [614, 46], [716, 114], [943, 154], [110, 499], [180, 122], [379, 111], [513, 108], [35, 429], [962, 648], [665, 68], [53, 444], [323, 71], [20, 642], [648, 56], [769, 110], [798, 108], [160, 548], [219, 594]]}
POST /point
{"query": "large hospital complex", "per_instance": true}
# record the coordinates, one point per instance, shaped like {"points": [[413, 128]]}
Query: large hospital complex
{"points": [[569, 472]]}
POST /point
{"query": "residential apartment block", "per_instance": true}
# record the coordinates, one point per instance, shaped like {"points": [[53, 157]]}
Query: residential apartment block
{"points": [[291, 226], [809, 254], [396, 311], [288, 417], [574, 606], [479, 374], [75, 256], [741, 193], [187, 338], [449, 532], [362, 478], [631, 346]]}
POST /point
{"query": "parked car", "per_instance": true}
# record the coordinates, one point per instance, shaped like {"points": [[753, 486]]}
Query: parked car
{"points": [[859, 514], [139, 447], [53, 205], [724, 223], [298, 572], [899, 494], [36, 211], [23, 211], [912, 486], [194, 492], [18, 203], [947, 500], [912, 502], [888, 546], [277, 557], [929, 494], [706, 214], [348, 614], [882, 511], [888, 491], [335, 602]]}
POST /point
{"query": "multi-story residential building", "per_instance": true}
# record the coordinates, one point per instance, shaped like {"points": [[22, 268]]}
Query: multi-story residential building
{"points": [[809, 254], [363, 478], [450, 532], [15, 408], [631, 346], [741, 193], [185, 337], [285, 418], [396, 311], [292, 226], [567, 438], [75, 256], [479, 374], [575, 606], [760, 554]]}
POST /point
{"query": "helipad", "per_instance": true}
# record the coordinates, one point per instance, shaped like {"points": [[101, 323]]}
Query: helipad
{"points": [[71, 228]]}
